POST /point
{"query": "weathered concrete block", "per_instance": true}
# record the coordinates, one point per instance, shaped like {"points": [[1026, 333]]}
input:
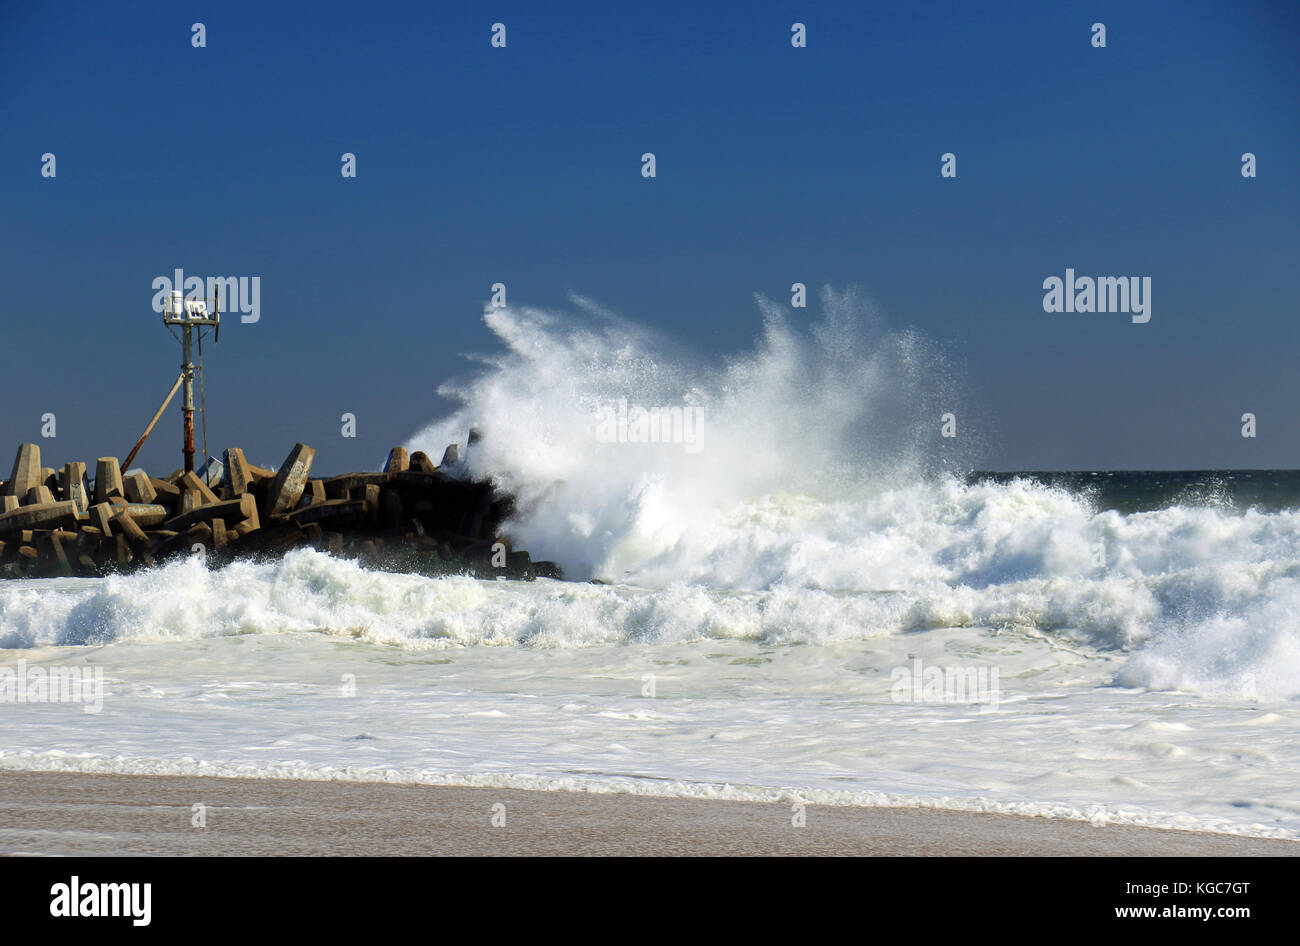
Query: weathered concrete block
{"points": [[132, 531], [421, 463], [74, 485], [50, 480], [38, 496], [398, 460], [241, 529], [451, 455], [314, 493], [8, 503], [27, 470], [108, 479], [191, 481], [231, 510], [190, 501], [101, 515], [332, 510], [238, 478], [139, 489], [146, 515], [342, 487], [289, 483], [184, 542], [52, 543], [274, 536], [47, 516], [219, 533]]}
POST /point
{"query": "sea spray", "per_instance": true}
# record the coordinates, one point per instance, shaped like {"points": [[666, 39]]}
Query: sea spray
{"points": [[813, 515], [833, 410]]}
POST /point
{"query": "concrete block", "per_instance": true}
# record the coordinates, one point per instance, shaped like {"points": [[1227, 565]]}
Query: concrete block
{"points": [[421, 463], [146, 515], [289, 483], [231, 510], [139, 489], [101, 516], [74, 485], [238, 478], [165, 492], [108, 479], [332, 510], [342, 487], [26, 471], [191, 481], [38, 496], [132, 531], [46, 516], [314, 493], [55, 552], [398, 460]]}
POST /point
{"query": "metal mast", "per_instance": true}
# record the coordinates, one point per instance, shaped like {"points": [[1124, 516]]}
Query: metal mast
{"points": [[189, 314]]}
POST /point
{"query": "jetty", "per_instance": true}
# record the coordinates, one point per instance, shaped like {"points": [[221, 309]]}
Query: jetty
{"points": [[412, 516]]}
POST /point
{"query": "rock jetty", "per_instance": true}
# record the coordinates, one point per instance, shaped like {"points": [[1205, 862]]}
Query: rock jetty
{"points": [[414, 516]]}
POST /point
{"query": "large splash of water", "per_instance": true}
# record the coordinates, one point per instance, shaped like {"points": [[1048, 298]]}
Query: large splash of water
{"points": [[838, 409], [814, 510]]}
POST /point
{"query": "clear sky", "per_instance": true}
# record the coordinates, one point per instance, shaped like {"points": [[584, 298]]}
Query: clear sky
{"points": [[774, 165]]}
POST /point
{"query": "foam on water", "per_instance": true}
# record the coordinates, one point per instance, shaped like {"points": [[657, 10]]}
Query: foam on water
{"points": [[811, 513], [816, 515]]}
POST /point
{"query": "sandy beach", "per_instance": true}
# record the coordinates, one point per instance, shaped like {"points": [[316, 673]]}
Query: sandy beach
{"points": [[77, 814]]}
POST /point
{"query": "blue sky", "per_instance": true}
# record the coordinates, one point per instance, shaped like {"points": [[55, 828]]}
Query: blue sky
{"points": [[775, 165]]}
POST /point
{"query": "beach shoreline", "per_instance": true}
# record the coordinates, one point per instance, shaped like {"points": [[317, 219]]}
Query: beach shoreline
{"points": [[64, 813]]}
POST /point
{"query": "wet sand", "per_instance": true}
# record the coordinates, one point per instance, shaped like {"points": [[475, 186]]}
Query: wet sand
{"points": [[78, 814]]}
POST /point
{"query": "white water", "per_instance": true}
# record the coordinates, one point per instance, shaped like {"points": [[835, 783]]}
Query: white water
{"points": [[771, 582]]}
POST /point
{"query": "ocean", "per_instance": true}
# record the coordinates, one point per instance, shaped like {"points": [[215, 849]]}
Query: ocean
{"points": [[816, 601]]}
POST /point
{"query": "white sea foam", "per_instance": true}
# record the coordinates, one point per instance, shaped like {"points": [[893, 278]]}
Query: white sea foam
{"points": [[814, 540], [808, 516]]}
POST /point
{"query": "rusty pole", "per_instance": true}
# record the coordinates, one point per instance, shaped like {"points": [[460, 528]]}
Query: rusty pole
{"points": [[187, 371]]}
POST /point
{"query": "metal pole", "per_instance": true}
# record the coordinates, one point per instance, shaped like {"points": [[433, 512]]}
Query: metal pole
{"points": [[187, 371]]}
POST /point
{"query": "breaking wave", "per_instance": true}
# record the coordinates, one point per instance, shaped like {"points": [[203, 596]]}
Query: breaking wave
{"points": [[820, 505]]}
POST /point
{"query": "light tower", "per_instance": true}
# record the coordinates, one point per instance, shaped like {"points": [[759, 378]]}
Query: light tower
{"points": [[190, 314]]}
